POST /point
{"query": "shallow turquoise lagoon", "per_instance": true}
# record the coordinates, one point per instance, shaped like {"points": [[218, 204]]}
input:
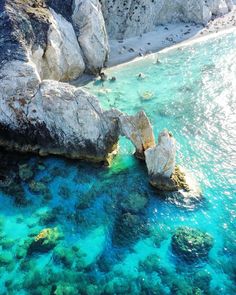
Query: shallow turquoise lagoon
{"points": [[105, 244]]}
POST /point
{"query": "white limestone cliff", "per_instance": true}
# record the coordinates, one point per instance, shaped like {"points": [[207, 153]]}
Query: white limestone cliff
{"points": [[134, 17]]}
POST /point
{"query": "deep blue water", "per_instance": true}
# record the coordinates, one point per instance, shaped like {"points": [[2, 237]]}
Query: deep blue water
{"points": [[192, 92]]}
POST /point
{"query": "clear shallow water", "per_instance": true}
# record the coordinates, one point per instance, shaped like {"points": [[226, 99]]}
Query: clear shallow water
{"points": [[194, 95]]}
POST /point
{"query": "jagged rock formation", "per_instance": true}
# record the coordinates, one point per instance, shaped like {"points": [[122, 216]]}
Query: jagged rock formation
{"points": [[60, 42], [52, 117], [174, 182], [47, 116], [45, 39], [134, 17]]}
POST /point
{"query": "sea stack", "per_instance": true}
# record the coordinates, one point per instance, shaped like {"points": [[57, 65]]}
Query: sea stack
{"points": [[165, 175]]}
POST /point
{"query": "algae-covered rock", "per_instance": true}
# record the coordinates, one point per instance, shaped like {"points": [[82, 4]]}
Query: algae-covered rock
{"points": [[21, 252], [150, 264], [46, 240], [191, 244], [6, 258], [181, 188], [202, 280], [37, 186], [25, 172], [65, 289], [64, 192], [128, 228], [134, 202], [16, 191], [177, 181], [47, 217], [6, 243], [64, 255]]}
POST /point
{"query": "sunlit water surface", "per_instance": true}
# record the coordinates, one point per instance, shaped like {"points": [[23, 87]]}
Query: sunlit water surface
{"points": [[192, 92]]}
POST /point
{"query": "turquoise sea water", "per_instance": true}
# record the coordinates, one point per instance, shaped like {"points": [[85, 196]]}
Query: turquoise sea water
{"points": [[102, 249]]}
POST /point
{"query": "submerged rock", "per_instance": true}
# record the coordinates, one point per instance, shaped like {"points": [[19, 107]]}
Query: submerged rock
{"points": [[25, 172], [46, 240], [150, 264], [135, 202], [6, 258], [127, 229], [191, 244], [64, 255], [37, 187]]}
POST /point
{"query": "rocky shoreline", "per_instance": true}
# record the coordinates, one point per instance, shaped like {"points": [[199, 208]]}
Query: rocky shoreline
{"points": [[43, 45]]}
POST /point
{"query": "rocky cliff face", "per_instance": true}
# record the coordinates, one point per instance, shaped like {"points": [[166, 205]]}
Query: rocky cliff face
{"points": [[47, 116], [45, 42], [134, 17], [61, 43]]}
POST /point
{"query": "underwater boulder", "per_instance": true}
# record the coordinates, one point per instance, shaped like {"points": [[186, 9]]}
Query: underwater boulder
{"points": [[46, 240], [134, 202], [191, 244], [127, 229], [25, 172], [150, 264], [16, 191], [202, 280], [21, 252], [64, 192], [64, 255], [47, 217], [6, 258], [64, 288], [37, 187]]}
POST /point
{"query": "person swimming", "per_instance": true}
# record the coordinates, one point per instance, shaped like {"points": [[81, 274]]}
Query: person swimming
{"points": [[141, 76]]}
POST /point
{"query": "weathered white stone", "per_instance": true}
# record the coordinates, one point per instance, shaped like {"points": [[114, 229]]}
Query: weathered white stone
{"points": [[160, 159], [19, 82], [51, 117], [218, 7], [62, 60], [74, 121], [134, 17], [91, 31]]}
